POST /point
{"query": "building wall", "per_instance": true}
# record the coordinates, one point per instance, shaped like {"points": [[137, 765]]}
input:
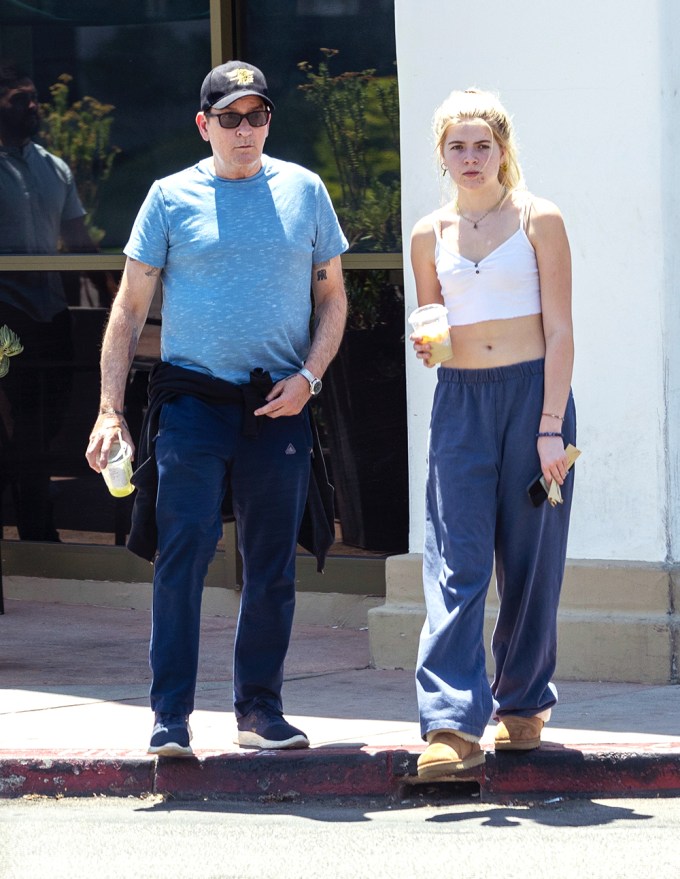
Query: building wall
{"points": [[593, 89]]}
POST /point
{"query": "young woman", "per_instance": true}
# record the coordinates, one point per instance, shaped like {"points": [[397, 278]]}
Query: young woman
{"points": [[498, 258]]}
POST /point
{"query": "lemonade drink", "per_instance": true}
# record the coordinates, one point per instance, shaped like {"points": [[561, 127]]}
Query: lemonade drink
{"points": [[118, 471], [430, 323], [441, 347]]}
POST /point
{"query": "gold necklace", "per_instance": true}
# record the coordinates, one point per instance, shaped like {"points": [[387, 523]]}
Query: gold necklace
{"points": [[476, 222]]}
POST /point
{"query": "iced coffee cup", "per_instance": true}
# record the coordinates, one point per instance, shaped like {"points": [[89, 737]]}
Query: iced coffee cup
{"points": [[430, 323], [118, 471]]}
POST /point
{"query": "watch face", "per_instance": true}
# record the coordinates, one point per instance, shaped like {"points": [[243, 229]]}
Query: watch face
{"points": [[314, 382]]}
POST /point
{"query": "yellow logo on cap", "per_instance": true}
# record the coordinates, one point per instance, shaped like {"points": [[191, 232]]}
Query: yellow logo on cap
{"points": [[241, 76]]}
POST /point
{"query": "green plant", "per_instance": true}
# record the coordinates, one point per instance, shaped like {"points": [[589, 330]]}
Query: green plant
{"points": [[10, 346], [359, 160], [80, 134], [360, 115]]}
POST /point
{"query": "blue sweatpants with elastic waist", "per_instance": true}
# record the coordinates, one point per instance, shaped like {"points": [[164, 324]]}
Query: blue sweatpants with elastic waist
{"points": [[482, 458]]}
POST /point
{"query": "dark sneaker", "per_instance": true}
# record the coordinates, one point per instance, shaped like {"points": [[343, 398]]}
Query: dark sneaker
{"points": [[267, 728], [171, 736]]}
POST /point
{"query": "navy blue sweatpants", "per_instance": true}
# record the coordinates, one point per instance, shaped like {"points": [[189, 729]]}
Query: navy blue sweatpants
{"points": [[482, 458]]}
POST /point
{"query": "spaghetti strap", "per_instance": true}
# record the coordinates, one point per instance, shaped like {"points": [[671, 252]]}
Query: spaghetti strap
{"points": [[526, 212], [437, 226]]}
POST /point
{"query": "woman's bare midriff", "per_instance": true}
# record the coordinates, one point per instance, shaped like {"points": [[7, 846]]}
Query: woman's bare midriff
{"points": [[497, 343]]}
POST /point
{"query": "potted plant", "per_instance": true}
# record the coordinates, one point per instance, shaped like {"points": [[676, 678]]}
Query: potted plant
{"points": [[10, 346]]}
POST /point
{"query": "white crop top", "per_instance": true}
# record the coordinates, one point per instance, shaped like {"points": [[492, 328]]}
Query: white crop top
{"points": [[503, 285]]}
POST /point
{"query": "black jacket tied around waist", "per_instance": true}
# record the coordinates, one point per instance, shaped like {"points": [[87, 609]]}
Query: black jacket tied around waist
{"points": [[317, 530]]}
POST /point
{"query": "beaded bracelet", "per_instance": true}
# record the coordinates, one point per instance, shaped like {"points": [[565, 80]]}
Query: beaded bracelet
{"points": [[548, 433]]}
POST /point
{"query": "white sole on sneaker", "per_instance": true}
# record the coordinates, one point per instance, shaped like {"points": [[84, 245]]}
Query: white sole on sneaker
{"points": [[171, 749], [252, 740]]}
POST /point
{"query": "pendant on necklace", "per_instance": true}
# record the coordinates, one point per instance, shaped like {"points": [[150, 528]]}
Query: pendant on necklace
{"points": [[474, 225]]}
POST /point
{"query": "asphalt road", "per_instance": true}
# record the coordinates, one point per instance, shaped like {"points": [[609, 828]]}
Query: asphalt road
{"points": [[146, 839]]}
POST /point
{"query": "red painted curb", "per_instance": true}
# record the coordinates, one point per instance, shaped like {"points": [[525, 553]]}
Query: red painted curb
{"points": [[338, 772], [74, 777], [577, 773], [314, 773], [570, 771]]}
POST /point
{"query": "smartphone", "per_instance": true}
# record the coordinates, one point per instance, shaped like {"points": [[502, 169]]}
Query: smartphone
{"points": [[537, 491]]}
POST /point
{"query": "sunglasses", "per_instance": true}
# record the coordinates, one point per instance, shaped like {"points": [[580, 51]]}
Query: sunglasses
{"points": [[256, 118]]}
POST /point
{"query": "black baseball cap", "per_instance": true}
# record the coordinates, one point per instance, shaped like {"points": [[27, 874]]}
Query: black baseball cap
{"points": [[231, 81]]}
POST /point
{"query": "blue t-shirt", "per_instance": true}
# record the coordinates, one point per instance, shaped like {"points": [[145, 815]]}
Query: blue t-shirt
{"points": [[237, 260]]}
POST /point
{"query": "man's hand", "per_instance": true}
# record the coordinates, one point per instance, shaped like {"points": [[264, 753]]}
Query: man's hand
{"points": [[287, 397], [105, 431]]}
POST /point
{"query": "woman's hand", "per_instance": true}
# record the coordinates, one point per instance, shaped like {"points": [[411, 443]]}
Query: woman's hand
{"points": [[553, 459], [423, 350]]}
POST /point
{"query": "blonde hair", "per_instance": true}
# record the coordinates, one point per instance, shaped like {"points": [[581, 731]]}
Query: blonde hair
{"points": [[473, 104]]}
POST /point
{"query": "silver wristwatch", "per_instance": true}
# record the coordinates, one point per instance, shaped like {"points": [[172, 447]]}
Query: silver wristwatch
{"points": [[314, 382]]}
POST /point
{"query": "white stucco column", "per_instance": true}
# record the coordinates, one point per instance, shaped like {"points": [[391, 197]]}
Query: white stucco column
{"points": [[593, 90]]}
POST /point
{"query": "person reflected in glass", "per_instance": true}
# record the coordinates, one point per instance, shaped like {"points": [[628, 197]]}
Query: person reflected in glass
{"points": [[497, 257], [39, 211]]}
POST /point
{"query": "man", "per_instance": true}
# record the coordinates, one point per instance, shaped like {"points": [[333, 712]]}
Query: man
{"points": [[39, 209], [237, 240]]}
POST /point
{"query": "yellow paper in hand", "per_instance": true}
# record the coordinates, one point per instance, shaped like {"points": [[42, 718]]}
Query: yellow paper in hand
{"points": [[554, 492]]}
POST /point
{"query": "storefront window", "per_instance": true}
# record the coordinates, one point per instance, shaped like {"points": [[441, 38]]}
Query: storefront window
{"points": [[338, 113], [337, 105], [118, 87], [142, 58]]}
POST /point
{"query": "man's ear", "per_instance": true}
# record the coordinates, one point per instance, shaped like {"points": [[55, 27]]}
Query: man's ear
{"points": [[202, 124]]}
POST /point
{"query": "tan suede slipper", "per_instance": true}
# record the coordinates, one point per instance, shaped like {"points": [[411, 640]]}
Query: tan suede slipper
{"points": [[518, 733], [447, 755]]}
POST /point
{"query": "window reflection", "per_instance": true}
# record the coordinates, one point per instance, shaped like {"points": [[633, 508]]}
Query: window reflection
{"points": [[40, 210], [143, 60], [117, 87], [131, 71], [335, 90], [363, 416], [336, 96], [47, 404]]}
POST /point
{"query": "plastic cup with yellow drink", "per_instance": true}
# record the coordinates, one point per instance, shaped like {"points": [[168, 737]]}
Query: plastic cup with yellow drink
{"points": [[430, 324], [118, 471]]}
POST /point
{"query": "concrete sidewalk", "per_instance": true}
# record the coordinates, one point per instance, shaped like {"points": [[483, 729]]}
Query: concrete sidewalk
{"points": [[74, 720]]}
